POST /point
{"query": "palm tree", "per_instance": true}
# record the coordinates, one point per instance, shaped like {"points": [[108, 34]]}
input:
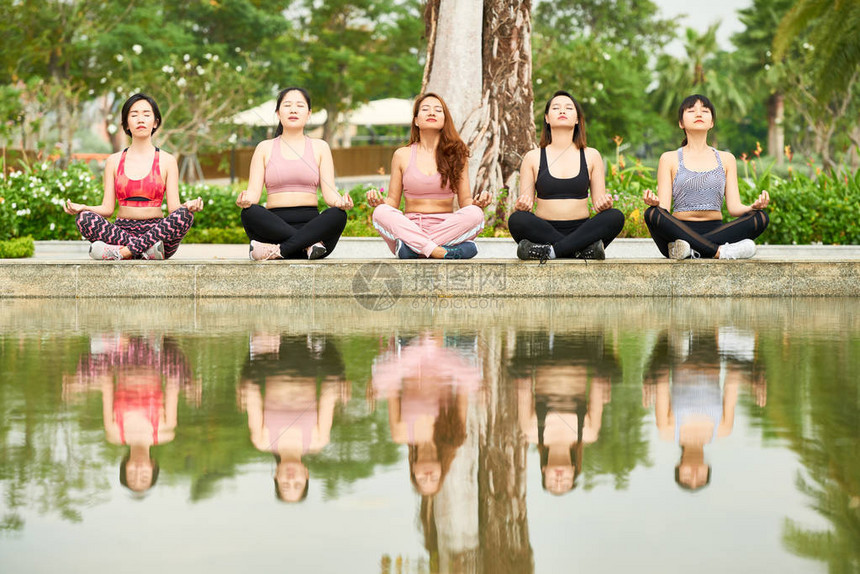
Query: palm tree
{"points": [[697, 73], [834, 35]]}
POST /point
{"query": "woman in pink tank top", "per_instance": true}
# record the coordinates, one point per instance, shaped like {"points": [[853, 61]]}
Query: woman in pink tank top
{"points": [[139, 179], [292, 166], [430, 173]]}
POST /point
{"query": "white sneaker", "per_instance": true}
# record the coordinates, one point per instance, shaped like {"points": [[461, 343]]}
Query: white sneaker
{"points": [[155, 252], [743, 249], [680, 249], [102, 251], [265, 251]]}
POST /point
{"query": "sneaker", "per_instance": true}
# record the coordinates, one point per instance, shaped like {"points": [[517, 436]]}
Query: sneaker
{"points": [[316, 251], [264, 251], [680, 249], [102, 251], [593, 251], [465, 250], [743, 249], [156, 252], [403, 251], [527, 250]]}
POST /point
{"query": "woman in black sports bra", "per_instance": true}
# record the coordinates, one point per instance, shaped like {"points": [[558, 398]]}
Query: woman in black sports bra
{"points": [[561, 172]]}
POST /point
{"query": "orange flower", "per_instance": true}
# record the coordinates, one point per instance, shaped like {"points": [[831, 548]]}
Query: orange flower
{"points": [[744, 157], [757, 151], [618, 140], [788, 153]]}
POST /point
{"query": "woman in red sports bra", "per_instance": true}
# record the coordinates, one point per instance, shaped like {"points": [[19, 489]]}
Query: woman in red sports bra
{"points": [[429, 173], [138, 179], [292, 166]]}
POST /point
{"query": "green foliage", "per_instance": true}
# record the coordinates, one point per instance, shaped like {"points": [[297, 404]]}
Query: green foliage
{"points": [[17, 248]]}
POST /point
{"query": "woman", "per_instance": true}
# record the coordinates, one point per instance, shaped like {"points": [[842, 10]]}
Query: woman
{"points": [[292, 166], [430, 173], [561, 172], [694, 181], [138, 178]]}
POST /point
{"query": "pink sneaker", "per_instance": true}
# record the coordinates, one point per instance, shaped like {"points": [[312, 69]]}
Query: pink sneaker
{"points": [[102, 251], [264, 251]]}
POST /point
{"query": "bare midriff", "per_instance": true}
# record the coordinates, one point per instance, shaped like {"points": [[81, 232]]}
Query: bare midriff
{"points": [[429, 205], [129, 212], [291, 199], [698, 215], [562, 209]]}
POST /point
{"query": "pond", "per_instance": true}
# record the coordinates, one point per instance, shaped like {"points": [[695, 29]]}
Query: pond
{"points": [[437, 435]]}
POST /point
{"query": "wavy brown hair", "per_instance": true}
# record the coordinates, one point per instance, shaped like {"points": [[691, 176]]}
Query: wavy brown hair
{"points": [[452, 153]]}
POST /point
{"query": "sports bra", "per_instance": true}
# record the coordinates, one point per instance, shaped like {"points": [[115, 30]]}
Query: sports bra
{"points": [[145, 192], [549, 187], [698, 190], [417, 185], [301, 175]]}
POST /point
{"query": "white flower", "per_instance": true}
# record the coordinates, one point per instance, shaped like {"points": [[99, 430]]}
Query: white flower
{"points": [[233, 138], [186, 57], [181, 82], [200, 71], [111, 130], [103, 80], [208, 56], [53, 226], [767, 66], [215, 58], [210, 202], [91, 92], [137, 49], [592, 100], [599, 86], [606, 56], [238, 68], [539, 81], [166, 69], [768, 54], [237, 49], [119, 57], [14, 205], [44, 165]]}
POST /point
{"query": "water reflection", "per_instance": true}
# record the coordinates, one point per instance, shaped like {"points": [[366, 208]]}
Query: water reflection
{"points": [[289, 388], [693, 383], [140, 379], [451, 435], [563, 381]]}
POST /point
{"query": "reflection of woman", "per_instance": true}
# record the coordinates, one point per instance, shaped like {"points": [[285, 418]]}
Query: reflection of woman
{"points": [[427, 382], [694, 382], [430, 173], [140, 380], [289, 389], [563, 383], [139, 179]]}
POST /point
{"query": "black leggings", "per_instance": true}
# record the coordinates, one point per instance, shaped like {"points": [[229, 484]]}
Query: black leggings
{"points": [[294, 228], [703, 236], [566, 237]]}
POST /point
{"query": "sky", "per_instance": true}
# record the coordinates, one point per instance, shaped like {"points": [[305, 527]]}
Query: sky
{"points": [[702, 13]]}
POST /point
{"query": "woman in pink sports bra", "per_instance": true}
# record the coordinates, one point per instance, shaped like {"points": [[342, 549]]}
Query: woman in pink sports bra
{"points": [[429, 173], [138, 178], [292, 166]]}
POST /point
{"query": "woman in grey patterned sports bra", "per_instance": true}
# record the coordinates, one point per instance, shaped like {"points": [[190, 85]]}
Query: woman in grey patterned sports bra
{"points": [[696, 179]]}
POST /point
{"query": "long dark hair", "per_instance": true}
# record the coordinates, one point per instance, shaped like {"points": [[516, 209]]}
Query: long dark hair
{"points": [[280, 129], [688, 103], [451, 153], [578, 130], [126, 109]]}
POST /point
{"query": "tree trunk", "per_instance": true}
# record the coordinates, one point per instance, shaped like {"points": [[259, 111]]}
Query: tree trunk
{"points": [[776, 127], [485, 77], [505, 545]]}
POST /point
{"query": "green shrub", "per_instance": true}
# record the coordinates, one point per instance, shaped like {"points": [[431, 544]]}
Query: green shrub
{"points": [[804, 209], [17, 248]]}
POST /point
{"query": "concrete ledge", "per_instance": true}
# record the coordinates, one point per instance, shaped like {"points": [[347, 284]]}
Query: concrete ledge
{"points": [[382, 282]]}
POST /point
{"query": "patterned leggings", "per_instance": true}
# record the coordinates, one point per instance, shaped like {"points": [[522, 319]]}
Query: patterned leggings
{"points": [[137, 234]]}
